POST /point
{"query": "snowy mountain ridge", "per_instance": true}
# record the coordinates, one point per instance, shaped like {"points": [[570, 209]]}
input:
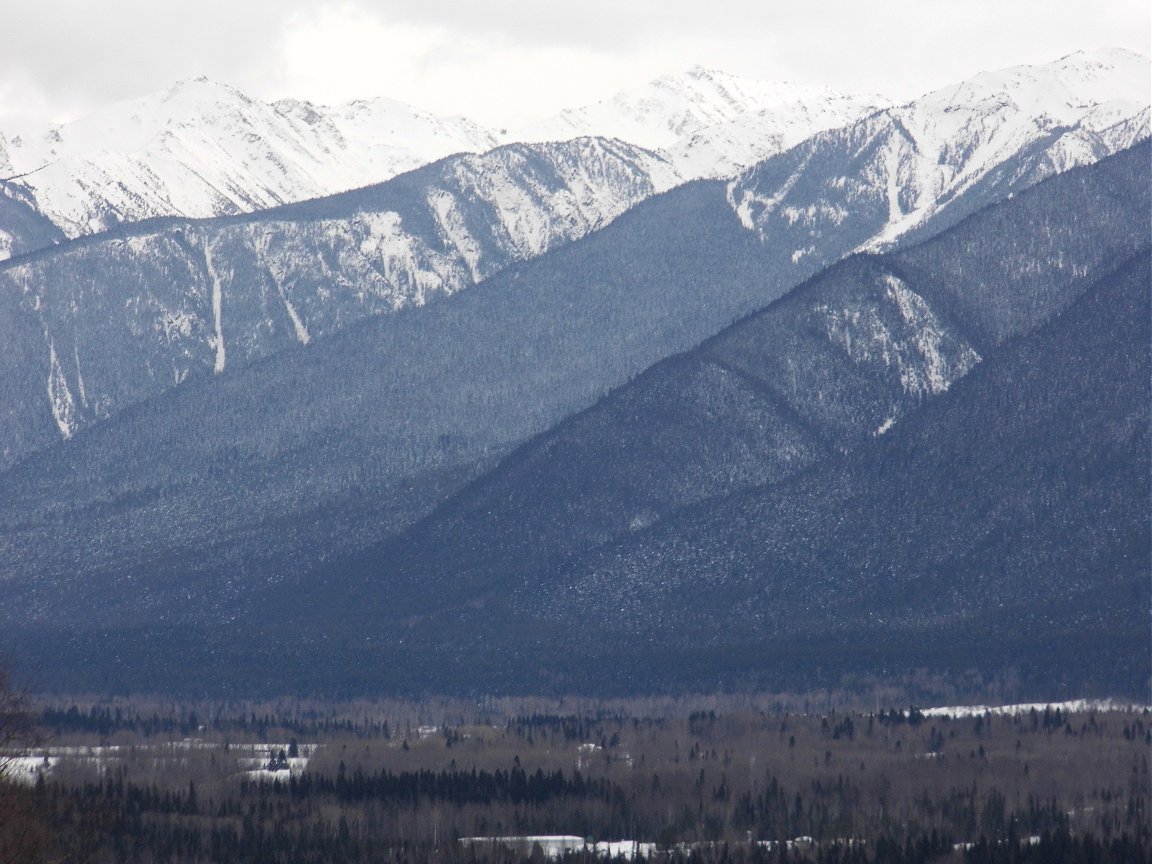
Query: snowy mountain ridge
{"points": [[922, 157], [202, 149], [710, 123], [95, 325]]}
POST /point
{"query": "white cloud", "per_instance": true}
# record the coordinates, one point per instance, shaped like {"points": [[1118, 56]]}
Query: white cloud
{"points": [[340, 53], [508, 60]]}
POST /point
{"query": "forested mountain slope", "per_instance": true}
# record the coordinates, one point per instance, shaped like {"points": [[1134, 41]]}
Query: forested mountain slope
{"points": [[240, 477], [221, 411], [1004, 526], [189, 524], [837, 362], [121, 317]]}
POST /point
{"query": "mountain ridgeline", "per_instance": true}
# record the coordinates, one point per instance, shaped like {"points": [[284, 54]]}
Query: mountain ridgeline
{"points": [[126, 315], [101, 323], [202, 149]]}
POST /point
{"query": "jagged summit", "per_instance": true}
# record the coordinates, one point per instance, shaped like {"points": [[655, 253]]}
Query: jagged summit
{"points": [[913, 161], [201, 148], [711, 122]]}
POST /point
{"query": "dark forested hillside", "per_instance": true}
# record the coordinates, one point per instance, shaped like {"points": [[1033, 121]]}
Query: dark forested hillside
{"points": [[1001, 529], [835, 364], [219, 527], [182, 506], [1004, 526]]}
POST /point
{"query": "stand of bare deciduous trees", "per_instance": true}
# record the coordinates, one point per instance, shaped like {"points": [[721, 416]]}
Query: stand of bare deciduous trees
{"points": [[24, 838]]}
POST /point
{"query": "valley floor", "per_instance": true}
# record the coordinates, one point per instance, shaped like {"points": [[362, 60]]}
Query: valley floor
{"points": [[149, 780]]}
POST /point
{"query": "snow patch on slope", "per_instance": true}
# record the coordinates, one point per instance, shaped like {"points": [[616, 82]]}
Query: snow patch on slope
{"points": [[899, 331], [217, 309], [60, 396]]}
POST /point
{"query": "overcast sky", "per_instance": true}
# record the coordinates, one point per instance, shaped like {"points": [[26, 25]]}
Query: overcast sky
{"points": [[506, 61]]}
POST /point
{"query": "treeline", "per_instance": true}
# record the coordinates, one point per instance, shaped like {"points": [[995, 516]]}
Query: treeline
{"points": [[515, 786], [104, 721], [356, 815]]}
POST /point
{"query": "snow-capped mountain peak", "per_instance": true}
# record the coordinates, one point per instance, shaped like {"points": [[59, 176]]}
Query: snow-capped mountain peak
{"points": [[975, 140], [201, 148], [711, 123]]}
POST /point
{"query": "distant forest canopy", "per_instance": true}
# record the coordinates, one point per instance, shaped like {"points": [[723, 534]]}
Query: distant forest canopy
{"points": [[297, 781]]}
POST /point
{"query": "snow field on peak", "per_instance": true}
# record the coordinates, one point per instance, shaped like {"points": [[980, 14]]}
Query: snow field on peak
{"points": [[709, 123], [997, 130], [203, 149]]}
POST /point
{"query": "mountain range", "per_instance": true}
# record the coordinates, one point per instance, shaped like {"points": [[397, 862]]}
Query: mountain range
{"points": [[549, 413], [203, 149], [100, 323]]}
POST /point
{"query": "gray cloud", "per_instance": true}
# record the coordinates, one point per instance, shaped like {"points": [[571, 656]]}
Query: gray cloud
{"points": [[80, 50]]}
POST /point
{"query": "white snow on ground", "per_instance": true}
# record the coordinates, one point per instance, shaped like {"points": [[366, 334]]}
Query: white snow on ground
{"points": [[256, 761], [456, 232], [628, 849], [940, 358], [914, 343], [27, 769], [557, 845], [217, 309], [59, 396], [1076, 706]]}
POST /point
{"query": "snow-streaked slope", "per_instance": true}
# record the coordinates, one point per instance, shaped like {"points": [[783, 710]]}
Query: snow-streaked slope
{"points": [[710, 123], [100, 323], [950, 151], [203, 149], [725, 149]]}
